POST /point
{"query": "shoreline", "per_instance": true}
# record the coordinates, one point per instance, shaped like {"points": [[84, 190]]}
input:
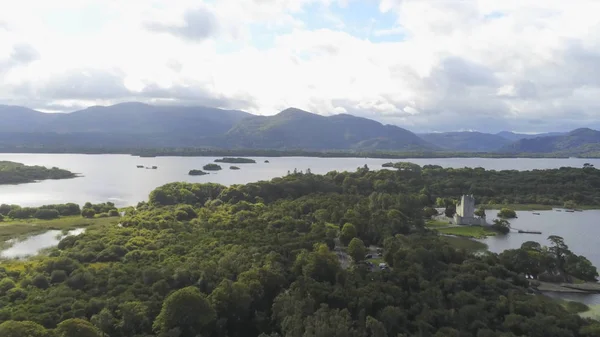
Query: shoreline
{"points": [[205, 152]]}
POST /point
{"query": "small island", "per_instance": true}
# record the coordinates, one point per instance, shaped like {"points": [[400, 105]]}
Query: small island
{"points": [[211, 167], [238, 160], [266, 161], [17, 173], [197, 173], [507, 213], [234, 168]]}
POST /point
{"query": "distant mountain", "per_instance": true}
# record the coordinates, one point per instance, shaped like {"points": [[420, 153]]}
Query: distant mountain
{"points": [[466, 141], [20, 119], [137, 125], [577, 142], [298, 129], [514, 136]]}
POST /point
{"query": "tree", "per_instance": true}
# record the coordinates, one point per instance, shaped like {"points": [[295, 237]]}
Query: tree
{"points": [[88, 213], [46, 214], [6, 284], [375, 328], [357, 250], [22, 329], [105, 321], [501, 225], [450, 211], [507, 213], [428, 212], [348, 233], [480, 212], [559, 249], [75, 327], [186, 309]]}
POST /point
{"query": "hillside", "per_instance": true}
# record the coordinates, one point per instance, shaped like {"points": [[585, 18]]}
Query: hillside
{"points": [[582, 141], [137, 125], [514, 136], [466, 141], [298, 129]]}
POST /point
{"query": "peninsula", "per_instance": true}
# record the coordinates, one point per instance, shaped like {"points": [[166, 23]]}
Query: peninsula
{"points": [[17, 173]]}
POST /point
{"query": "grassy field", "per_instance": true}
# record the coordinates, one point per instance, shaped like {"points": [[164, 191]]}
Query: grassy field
{"points": [[436, 223], [593, 313], [19, 228], [464, 243], [476, 232]]}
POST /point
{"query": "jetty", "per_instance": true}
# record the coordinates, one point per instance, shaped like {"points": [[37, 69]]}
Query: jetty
{"points": [[528, 232]]}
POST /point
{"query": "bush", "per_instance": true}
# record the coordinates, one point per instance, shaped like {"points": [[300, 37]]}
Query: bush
{"points": [[428, 212], [576, 307], [113, 212], [1, 217], [88, 213], [507, 213], [46, 214], [102, 215]]}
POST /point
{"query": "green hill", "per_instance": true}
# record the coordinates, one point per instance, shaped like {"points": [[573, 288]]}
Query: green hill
{"points": [[298, 129]]}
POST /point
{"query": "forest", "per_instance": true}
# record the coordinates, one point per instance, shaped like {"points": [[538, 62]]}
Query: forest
{"points": [[265, 259], [556, 187], [17, 173]]}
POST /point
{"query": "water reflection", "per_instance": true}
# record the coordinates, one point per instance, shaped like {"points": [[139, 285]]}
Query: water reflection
{"points": [[579, 229], [36, 243]]}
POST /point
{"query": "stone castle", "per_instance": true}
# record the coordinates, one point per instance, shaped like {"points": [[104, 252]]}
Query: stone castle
{"points": [[465, 212]]}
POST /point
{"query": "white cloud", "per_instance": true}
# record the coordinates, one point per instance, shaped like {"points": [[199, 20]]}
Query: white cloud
{"points": [[471, 64]]}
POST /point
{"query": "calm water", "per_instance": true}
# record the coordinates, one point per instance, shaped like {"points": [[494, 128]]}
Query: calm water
{"points": [[36, 243], [115, 177], [581, 231]]}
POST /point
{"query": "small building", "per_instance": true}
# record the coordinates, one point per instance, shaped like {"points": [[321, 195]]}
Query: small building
{"points": [[465, 212]]}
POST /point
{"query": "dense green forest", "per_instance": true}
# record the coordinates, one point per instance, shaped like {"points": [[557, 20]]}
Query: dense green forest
{"points": [[263, 259], [17, 173], [556, 187]]}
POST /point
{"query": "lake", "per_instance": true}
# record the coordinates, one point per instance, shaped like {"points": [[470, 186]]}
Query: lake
{"points": [[580, 230], [34, 244], [115, 177]]}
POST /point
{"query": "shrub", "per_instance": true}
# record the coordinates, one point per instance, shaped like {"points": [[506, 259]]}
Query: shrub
{"points": [[88, 213], [46, 214]]}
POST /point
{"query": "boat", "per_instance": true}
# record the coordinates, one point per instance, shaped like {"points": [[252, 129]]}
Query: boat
{"points": [[154, 167], [570, 211], [558, 210], [140, 166], [534, 213]]}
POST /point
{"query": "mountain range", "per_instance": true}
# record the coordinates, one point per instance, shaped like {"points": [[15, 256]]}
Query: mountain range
{"points": [[138, 125]]}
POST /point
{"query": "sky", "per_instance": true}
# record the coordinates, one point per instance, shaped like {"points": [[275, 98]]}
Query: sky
{"points": [[425, 65]]}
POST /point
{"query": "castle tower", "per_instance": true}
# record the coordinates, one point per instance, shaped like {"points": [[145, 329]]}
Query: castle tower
{"points": [[465, 212]]}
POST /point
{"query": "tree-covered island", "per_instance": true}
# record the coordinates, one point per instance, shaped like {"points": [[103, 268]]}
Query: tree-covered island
{"points": [[195, 172], [237, 160], [270, 259], [211, 167], [17, 173]]}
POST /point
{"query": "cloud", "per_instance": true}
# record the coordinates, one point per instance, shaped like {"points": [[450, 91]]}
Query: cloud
{"points": [[24, 53], [198, 25], [483, 65]]}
